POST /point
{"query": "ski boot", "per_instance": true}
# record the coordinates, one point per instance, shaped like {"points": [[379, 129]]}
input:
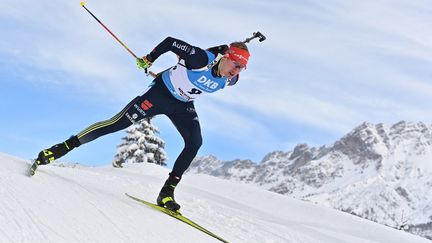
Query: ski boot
{"points": [[166, 195], [47, 156]]}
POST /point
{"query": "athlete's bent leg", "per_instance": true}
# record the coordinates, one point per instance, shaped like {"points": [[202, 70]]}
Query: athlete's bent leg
{"points": [[120, 121], [188, 125]]}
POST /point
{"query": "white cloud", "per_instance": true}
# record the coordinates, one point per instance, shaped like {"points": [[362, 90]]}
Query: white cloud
{"points": [[227, 121]]}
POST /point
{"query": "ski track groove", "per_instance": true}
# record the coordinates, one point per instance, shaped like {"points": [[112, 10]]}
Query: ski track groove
{"points": [[33, 219], [94, 205]]}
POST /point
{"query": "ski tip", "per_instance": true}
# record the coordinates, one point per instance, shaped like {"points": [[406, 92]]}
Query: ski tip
{"points": [[31, 172], [82, 4], [32, 169]]}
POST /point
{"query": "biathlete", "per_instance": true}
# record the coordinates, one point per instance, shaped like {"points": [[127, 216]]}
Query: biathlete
{"points": [[171, 93]]}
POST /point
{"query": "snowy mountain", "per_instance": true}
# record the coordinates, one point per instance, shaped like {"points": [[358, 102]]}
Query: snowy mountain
{"points": [[378, 172], [63, 203]]}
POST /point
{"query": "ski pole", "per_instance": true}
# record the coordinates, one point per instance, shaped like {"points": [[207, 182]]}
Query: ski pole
{"points": [[115, 37], [109, 31]]}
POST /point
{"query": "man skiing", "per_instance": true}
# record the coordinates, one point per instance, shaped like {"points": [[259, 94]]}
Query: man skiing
{"points": [[171, 93]]}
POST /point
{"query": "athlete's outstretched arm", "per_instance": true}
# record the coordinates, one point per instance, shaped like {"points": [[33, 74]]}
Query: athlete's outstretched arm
{"points": [[194, 57]]}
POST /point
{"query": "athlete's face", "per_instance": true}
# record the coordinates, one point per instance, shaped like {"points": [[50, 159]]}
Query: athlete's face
{"points": [[229, 68]]}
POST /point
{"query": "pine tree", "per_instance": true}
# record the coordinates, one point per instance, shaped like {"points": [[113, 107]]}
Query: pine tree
{"points": [[141, 145]]}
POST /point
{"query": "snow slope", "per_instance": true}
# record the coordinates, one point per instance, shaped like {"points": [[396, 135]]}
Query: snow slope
{"points": [[85, 204]]}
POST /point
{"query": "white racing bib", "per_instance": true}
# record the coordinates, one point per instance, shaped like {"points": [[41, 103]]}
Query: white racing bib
{"points": [[186, 84]]}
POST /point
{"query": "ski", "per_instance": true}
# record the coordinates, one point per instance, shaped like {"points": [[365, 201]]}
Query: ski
{"points": [[32, 169], [176, 215]]}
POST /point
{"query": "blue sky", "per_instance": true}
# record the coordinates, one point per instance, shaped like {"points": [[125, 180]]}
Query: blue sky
{"points": [[326, 67]]}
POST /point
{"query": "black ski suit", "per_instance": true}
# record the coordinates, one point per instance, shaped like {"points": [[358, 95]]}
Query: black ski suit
{"points": [[158, 99]]}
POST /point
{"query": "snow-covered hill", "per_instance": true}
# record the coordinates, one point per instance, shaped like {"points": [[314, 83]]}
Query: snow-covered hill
{"points": [[379, 172], [84, 204]]}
